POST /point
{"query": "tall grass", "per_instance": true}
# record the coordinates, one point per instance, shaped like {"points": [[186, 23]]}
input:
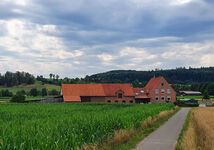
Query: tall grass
{"points": [[68, 126]]}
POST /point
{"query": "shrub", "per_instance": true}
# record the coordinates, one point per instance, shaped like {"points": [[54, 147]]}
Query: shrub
{"points": [[34, 92], [44, 92], [54, 92], [22, 92], [18, 98], [185, 104]]}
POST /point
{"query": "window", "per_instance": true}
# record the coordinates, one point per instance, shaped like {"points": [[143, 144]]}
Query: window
{"points": [[130, 101], [162, 91], [109, 101], [120, 95], [162, 84], [162, 98], [116, 101], [156, 98], [156, 91], [168, 91], [123, 101], [169, 98]]}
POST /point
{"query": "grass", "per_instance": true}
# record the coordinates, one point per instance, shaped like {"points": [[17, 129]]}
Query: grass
{"points": [[200, 130], [179, 145], [69, 126]]}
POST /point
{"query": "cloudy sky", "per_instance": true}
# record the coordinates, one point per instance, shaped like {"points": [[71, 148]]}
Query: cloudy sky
{"points": [[78, 37]]}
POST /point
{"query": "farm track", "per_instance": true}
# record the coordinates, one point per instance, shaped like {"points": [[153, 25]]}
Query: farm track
{"points": [[166, 136]]}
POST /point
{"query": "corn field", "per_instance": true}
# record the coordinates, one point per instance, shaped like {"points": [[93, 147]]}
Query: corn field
{"points": [[68, 126]]}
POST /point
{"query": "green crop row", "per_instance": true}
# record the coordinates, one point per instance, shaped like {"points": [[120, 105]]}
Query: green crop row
{"points": [[68, 126]]}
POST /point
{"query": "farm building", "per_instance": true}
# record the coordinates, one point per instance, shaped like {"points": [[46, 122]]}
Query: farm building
{"points": [[157, 90], [190, 93], [118, 93]]}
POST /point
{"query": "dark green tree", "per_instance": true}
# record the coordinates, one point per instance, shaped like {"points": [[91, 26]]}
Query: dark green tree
{"points": [[22, 92], [54, 92], [44, 92], [206, 95], [34, 92]]}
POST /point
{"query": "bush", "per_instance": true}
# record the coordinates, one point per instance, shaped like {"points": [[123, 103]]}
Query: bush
{"points": [[185, 104], [18, 98], [34, 92], [44, 92], [22, 92], [54, 92]]}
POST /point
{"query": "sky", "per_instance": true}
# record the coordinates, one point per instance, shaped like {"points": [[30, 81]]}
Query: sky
{"points": [[74, 38]]}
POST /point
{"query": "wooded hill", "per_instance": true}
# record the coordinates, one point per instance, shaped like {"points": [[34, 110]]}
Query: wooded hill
{"points": [[173, 76]]}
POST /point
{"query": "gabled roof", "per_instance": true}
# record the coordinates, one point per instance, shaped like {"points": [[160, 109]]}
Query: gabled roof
{"points": [[153, 82], [69, 90]]}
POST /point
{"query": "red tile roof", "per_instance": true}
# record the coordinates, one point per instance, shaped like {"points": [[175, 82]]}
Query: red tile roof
{"points": [[152, 82], [82, 90], [111, 89], [96, 89]]}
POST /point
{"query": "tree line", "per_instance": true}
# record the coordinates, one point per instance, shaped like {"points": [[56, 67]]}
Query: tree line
{"points": [[10, 79]]}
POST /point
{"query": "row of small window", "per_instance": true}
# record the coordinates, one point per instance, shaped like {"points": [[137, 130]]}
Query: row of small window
{"points": [[163, 91], [109, 101], [163, 98]]}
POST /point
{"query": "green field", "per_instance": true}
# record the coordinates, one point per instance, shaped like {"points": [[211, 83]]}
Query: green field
{"points": [[68, 126], [27, 88]]}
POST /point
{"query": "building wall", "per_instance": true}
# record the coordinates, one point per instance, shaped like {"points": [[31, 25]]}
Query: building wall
{"points": [[98, 99], [159, 86], [115, 99]]}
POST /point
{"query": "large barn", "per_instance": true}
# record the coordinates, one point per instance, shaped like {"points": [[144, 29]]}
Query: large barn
{"points": [[156, 91], [118, 93]]}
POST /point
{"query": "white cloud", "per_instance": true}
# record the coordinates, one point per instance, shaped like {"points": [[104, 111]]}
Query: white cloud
{"points": [[207, 60]]}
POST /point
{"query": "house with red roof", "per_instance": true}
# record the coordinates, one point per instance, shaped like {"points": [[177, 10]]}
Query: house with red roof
{"points": [[157, 90]]}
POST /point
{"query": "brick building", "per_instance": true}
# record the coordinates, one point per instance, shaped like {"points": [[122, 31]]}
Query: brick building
{"points": [[114, 93], [156, 91]]}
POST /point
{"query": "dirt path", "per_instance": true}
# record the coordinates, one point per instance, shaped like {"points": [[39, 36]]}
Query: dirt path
{"points": [[165, 137]]}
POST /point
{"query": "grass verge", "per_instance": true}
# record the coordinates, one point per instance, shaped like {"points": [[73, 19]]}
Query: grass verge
{"points": [[181, 138], [128, 139]]}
